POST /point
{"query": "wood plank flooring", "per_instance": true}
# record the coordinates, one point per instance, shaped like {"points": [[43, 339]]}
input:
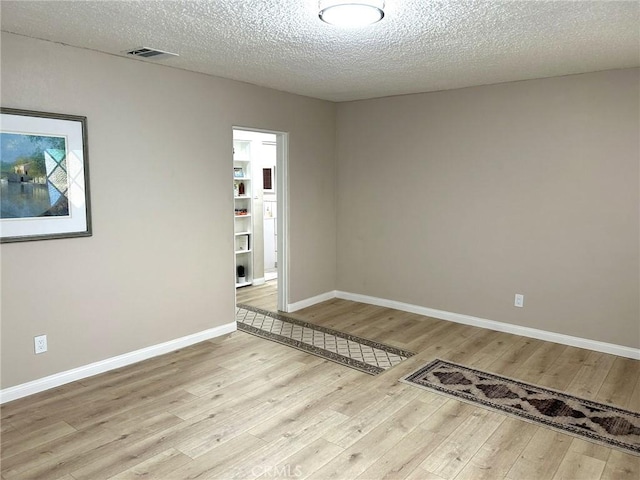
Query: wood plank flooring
{"points": [[240, 407], [262, 296]]}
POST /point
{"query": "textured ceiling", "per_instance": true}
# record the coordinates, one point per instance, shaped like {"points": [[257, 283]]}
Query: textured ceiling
{"points": [[420, 45]]}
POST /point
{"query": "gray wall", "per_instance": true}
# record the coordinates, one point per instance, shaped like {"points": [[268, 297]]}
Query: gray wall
{"points": [[457, 200], [160, 263]]}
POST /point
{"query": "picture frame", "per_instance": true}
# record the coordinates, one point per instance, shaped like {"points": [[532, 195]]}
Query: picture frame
{"points": [[268, 179], [238, 172], [44, 176], [242, 243]]}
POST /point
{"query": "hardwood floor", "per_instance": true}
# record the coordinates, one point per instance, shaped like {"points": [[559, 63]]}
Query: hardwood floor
{"points": [[261, 296], [242, 407]]}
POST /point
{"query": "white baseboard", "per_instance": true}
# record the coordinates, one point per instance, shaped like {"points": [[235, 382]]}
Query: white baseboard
{"points": [[307, 302], [259, 281], [52, 381], [595, 345]]}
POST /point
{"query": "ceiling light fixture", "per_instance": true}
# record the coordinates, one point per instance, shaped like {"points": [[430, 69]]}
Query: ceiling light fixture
{"points": [[354, 13]]}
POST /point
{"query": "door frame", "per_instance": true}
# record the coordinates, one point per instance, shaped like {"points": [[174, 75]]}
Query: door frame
{"points": [[282, 210]]}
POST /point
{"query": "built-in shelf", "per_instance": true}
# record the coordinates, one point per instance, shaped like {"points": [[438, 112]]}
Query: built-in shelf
{"points": [[242, 194]]}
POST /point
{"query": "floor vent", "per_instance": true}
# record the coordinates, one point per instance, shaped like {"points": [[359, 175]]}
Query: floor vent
{"points": [[145, 52]]}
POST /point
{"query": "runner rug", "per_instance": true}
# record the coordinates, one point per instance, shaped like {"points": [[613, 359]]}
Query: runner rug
{"points": [[355, 352], [597, 422]]}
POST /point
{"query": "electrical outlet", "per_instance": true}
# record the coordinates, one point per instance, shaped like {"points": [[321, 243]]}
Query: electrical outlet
{"points": [[40, 343], [519, 302]]}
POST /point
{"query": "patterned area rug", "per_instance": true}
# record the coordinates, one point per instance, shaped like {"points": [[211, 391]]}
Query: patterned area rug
{"points": [[600, 423], [355, 352]]}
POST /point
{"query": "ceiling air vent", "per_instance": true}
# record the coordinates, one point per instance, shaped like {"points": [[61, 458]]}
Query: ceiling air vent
{"points": [[145, 52]]}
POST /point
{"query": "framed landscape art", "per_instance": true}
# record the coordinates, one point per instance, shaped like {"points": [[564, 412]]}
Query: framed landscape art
{"points": [[44, 176]]}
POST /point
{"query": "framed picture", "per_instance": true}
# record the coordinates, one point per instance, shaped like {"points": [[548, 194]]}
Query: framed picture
{"points": [[238, 172], [242, 242], [268, 176], [44, 176]]}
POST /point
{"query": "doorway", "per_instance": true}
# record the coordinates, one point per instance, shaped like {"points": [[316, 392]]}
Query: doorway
{"points": [[260, 218]]}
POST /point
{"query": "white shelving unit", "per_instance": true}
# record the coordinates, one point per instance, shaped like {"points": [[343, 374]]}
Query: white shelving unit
{"points": [[243, 205]]}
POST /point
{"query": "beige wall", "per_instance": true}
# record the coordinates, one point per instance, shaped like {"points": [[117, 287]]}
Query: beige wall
{"points": [[457, 200], [451, 200], [160, 262]]}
